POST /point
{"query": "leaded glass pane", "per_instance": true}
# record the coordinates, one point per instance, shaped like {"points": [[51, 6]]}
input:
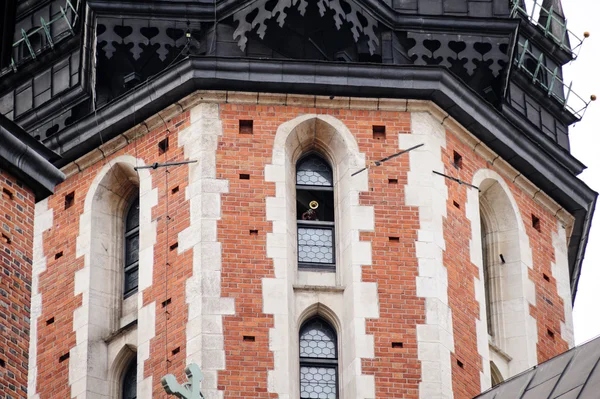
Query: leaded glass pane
{"points": [[317, 340], [131, 280], [314, 171], [130, 381], [133, 217], [318, 382], [315, 245], [131, 249]]}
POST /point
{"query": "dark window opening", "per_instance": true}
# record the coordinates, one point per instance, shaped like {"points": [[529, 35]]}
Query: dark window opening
{"points": [[129, 386], [318, 360], [315, 213], [132, 236]]}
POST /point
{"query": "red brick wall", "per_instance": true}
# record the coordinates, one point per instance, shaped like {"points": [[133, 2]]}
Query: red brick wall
{"points": [[466, 361], [394, 266], [244, 261], [244, 264], [17, 205]]}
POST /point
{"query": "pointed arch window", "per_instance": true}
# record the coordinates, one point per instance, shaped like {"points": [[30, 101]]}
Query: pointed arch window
{"points": [[318, 360], [315, 213], [485, 251], [132, 237], [129, 386]]}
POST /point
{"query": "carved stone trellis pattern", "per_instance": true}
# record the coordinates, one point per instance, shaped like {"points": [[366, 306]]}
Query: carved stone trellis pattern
{"points": [[469, 50], [140, 33], [280, 11]]}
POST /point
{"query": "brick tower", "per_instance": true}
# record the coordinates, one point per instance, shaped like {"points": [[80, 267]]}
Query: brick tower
{"points": [[235, 195]]}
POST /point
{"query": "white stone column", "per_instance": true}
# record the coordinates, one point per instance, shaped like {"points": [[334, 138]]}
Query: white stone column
{"points": [[43, 220], [428, 192], [206, 306]]}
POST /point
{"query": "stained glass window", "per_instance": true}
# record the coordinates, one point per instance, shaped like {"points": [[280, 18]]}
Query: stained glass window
{"points": [[318, 360], [132, 237]]}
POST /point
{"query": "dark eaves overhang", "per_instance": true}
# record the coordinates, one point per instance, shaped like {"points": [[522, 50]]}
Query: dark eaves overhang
{"points": [[28, 160], [547, 166]]}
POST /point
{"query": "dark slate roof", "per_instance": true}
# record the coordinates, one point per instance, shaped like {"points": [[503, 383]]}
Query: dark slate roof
{"points": [[574, 374], [28, 160]]}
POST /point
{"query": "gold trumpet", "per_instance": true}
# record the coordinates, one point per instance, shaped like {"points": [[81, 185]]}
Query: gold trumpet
{"points": [[313, 204]]}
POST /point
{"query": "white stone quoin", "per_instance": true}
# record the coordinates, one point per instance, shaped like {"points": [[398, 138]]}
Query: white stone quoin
{"points": [[206, 306], [428, 192], [43, 220]]}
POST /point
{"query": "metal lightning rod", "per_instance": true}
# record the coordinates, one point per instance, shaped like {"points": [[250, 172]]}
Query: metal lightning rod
{"points": [[456, 180], [377, 163]]}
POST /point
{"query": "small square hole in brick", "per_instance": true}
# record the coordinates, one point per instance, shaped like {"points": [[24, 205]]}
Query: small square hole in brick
{"points": [[175, 190], [163, 146], [249, 338], [397, 345], [392, 181], [7, 193], [394, 239], [535, 222], [246, 126], [456, 204], [174, 246], [176, 350], [457, 160], [58, 255], [69, 199], [244, 176], [550, 333], [253, 232], [166, 302], [546, 277], [460, 364], [6, 239], [64, 357], [379, 132], [50, 321], [2, 363]]}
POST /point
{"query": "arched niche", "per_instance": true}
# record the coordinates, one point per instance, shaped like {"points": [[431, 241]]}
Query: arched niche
{"points": [[109, 206], [505, 263]]}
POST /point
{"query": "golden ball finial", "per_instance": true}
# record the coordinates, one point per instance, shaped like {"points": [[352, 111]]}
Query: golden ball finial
{"points": [[586, 34], [593, 97]]}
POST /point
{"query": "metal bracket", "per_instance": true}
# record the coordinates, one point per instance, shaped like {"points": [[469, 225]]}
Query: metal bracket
{"points": [[461, 182], [156, 165], [378, 163], [188, 390]]}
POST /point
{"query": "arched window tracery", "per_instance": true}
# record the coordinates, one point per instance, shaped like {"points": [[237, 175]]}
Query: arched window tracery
{"points": [[318, 360], [315, 213]]}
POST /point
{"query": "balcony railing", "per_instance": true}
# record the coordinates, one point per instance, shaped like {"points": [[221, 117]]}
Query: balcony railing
{"points": [[550, 80], [69, 14], [565, 38]]}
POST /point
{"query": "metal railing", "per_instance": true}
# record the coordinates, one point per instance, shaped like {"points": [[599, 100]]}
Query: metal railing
{"points": [[550, 80], [69, 14], [566, 39]]}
